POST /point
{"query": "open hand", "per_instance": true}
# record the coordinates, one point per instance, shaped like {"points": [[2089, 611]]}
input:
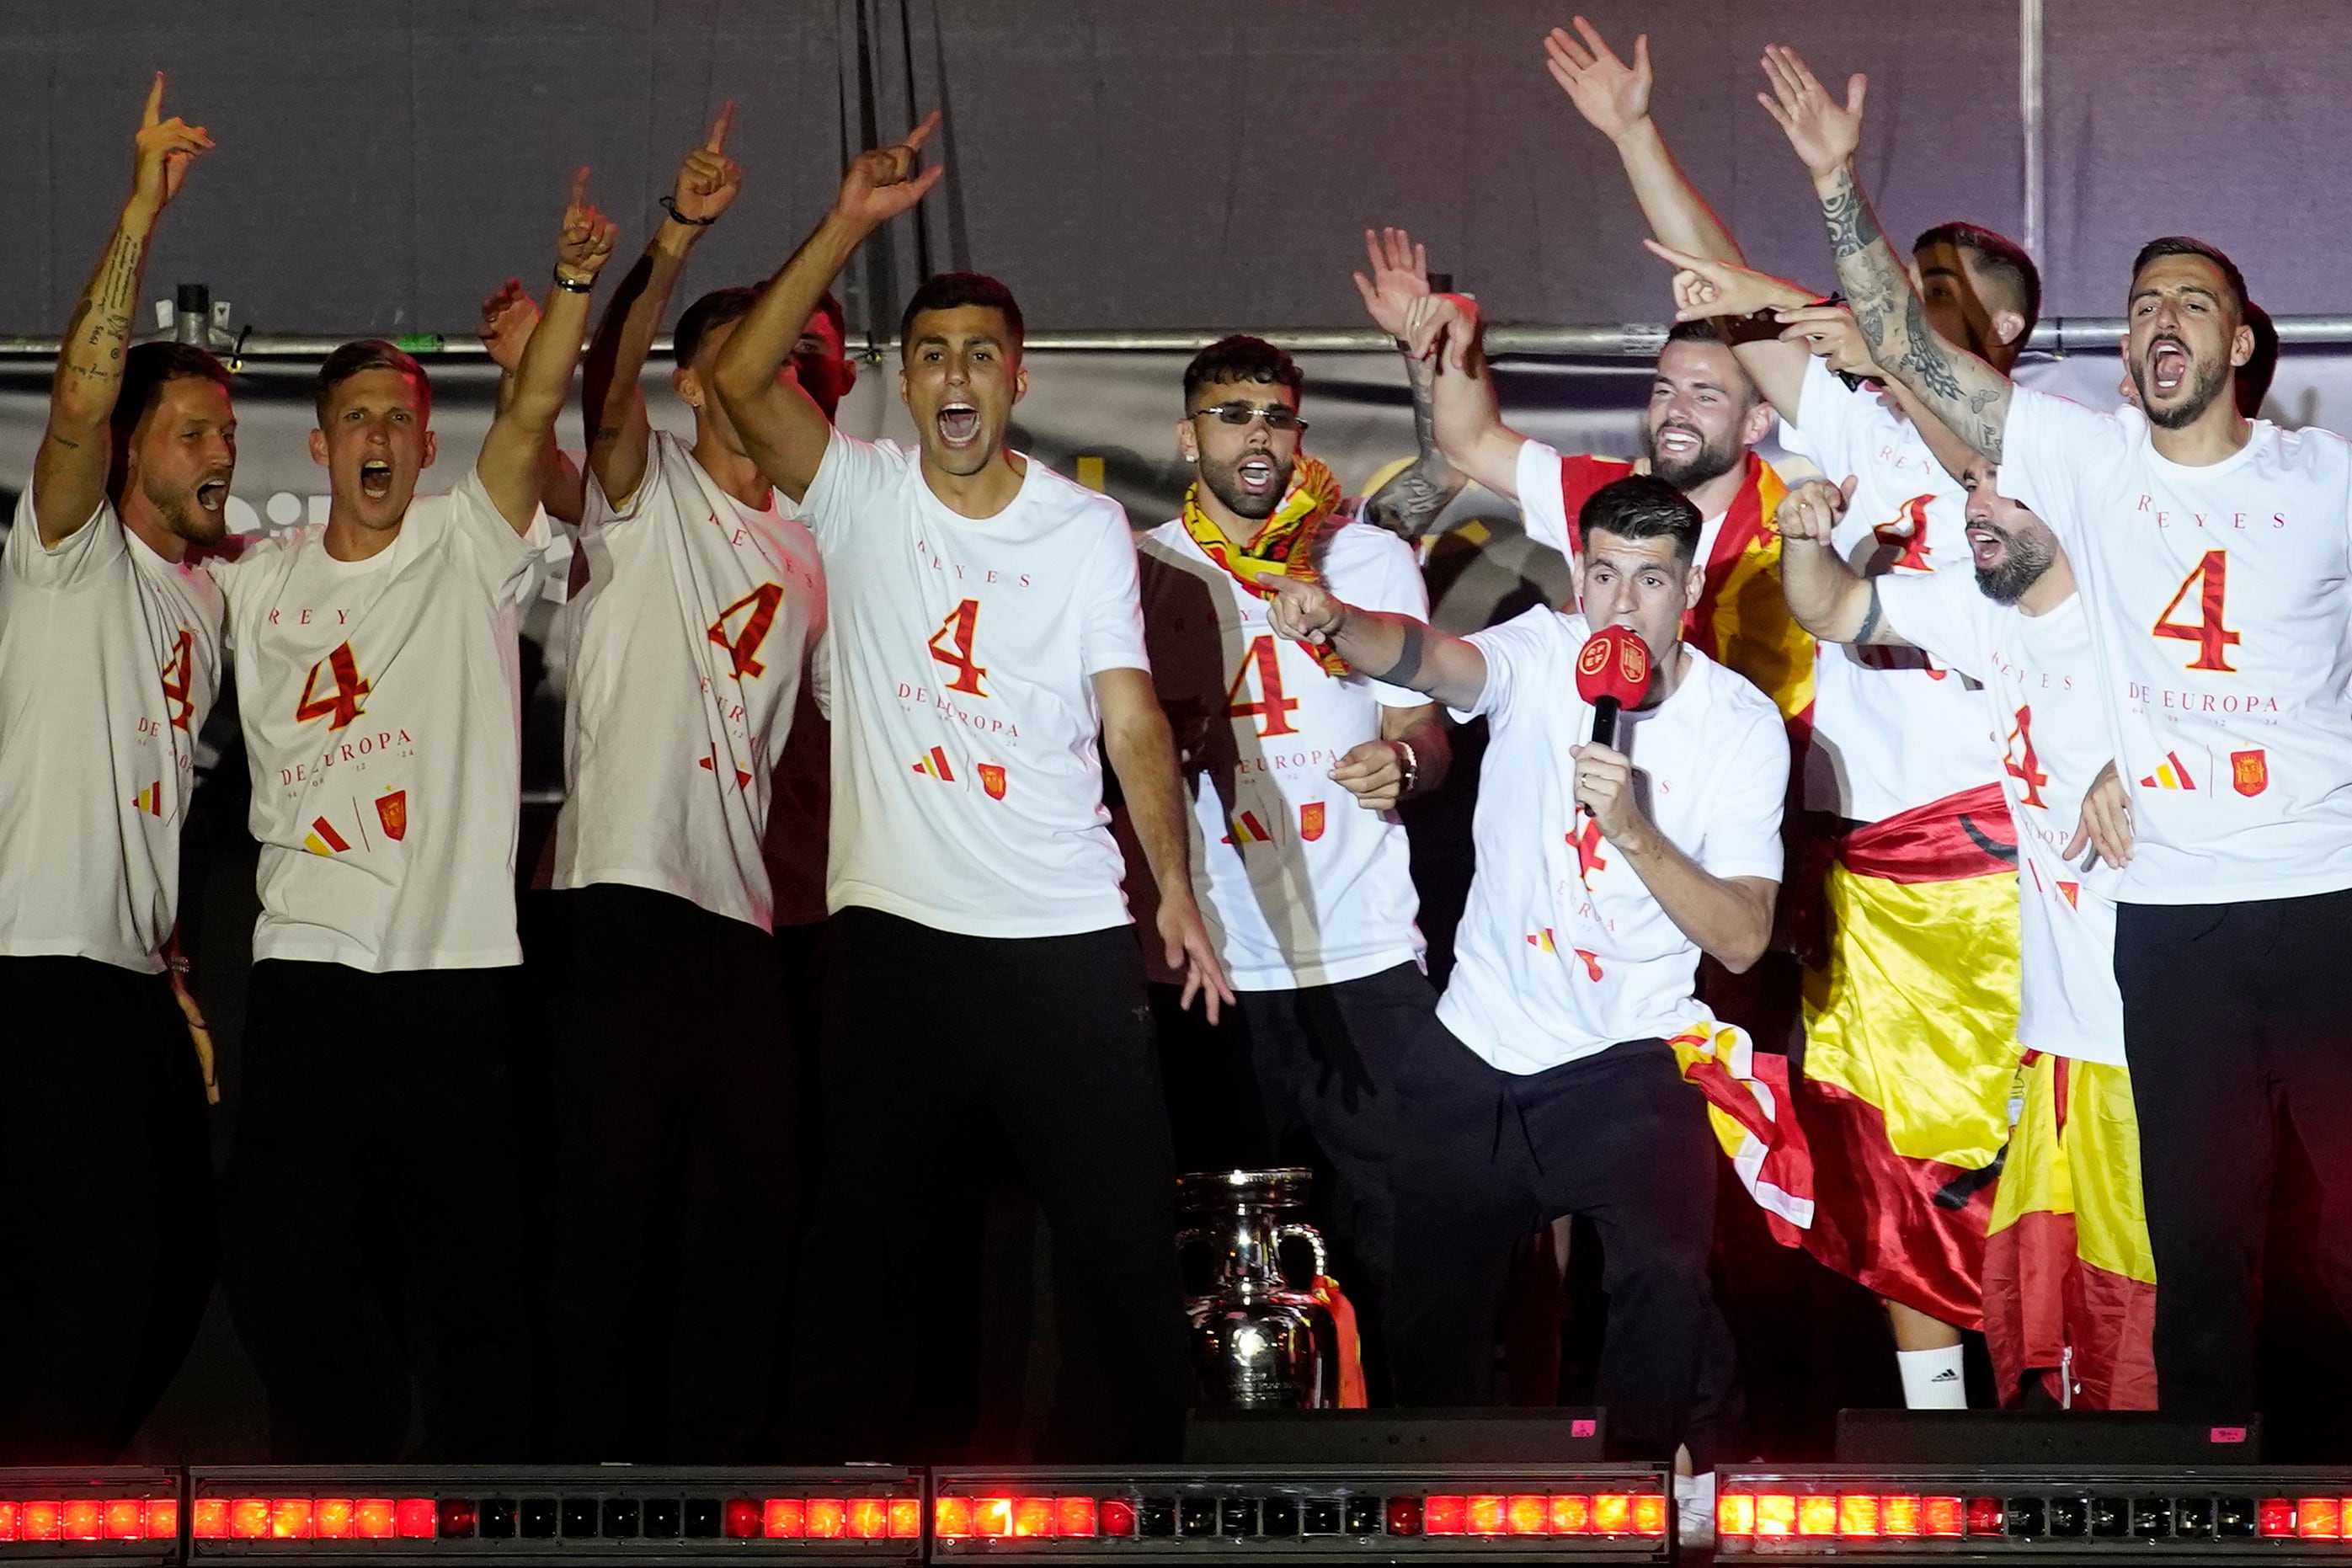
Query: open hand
{"points": [[1446, 323], [1400, 276], [585, 243], [883, 183], [509, 317], [708, 179], [1191, 953], [1303, 611], [1823, 131], [162, 153], [2106, 824], [1612, 97], [1811, 510]]}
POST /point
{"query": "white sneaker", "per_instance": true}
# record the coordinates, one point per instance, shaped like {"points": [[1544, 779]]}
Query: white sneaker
{"points": [[1695, 1510]]}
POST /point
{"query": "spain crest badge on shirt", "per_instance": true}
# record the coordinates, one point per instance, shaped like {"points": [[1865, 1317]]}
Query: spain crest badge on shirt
{"points": [[991, 779], [392, 810], [2249, 771], [1310, 820]]}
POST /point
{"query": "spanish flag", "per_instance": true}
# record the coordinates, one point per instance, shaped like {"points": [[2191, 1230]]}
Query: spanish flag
{"points": [[1742, 621], [1911, 1051], [2069, 1277]]}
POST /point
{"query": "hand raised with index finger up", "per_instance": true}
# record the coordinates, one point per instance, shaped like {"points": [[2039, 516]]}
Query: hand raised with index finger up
{"points": [[884, 183], [708, 179], [162, 153]]}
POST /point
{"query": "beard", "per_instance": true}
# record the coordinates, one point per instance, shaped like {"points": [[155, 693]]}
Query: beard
{"points": [[1225, 482], [1712, 459], [2206, 383], [180, 514], [2023, 559]]}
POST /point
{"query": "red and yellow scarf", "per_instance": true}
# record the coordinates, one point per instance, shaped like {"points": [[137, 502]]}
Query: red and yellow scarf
{"points": [[1285, 545]]}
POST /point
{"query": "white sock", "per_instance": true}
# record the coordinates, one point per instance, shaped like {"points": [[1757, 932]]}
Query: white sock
{"points": [[1932, 1380]]}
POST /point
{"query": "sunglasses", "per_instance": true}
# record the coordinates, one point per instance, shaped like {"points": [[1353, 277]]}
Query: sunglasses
{"points": [[1277, 416]]}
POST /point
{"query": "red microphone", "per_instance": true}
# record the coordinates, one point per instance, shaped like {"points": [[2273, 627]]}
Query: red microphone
{"points": [[1613, 673]]}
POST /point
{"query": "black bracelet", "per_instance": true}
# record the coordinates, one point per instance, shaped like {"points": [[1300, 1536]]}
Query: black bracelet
{"points": [[669, 205], [583, 286]]}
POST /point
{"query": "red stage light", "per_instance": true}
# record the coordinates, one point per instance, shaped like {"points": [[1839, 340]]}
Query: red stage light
{"points": [[1526, 1515], [1650, 1514], [1074, 1516], [1775, 1514], [209, 1520], [1858, 1515], [742, 1519], [248, 1518], [828, 1519], [335, 1518], [1817, 1515], [124, 1520], [1571, 1514], [1032, 1516], [1944, 1516], [2274, 1516], [1735, 1513], [40, 1521], [420, 1518], [1899, 1516], [1402, 1516], [951, 1518], [289, 1519], [375, 1518], [906, 1518], [992, 1516], [1445, 1515], [1117, 1516], [1612, 1514], [83, 1520], [1985, 1515], [784, 1519], [869, 1519], [1486, 1514], [161, 1516]]}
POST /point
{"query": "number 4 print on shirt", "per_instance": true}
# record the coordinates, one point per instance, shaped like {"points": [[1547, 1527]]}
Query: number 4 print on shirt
{"points": [[759, 610], [1271, 705], [2020, 761], [956, 632], [2211, 637], [339, 704]]}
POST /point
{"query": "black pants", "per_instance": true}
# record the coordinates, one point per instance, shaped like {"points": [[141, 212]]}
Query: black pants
{"points": [[2237, 1017], [930, 1034], [106, 1176], [1487, 1156], [371, 1254], [674, 1184], [1323, 1061], [800, 980]]}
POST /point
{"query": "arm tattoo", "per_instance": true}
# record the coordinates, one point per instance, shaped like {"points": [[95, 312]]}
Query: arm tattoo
{"points": [[1406, 671], [1411, 501], [1873, 618]]}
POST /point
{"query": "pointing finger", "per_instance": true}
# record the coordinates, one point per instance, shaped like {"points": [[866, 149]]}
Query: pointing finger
{"points": [[154, 103], [580, 187], [922, 133], [718, 142], [1680, 260]]}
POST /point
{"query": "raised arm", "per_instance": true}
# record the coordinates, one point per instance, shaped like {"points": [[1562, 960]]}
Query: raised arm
{"points": [[512, 464], [1409, 503], [1614, 99], [71, 470], [1826, 595], [612, 400], [1959, 389], [1394, 648], [1444, 331], [781, 426], [510, 316]]}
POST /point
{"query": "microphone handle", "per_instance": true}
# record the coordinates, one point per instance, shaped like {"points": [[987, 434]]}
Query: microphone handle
{"points": [[1604, 721]]}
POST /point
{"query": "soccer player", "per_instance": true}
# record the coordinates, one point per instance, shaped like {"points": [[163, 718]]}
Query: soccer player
{"points": [[110, 657], [984, 626], [377, 670], [689, 626], [2211, 552], [1907, 1064], [2069, 1286], [1298, 763], [1546, 1083]]}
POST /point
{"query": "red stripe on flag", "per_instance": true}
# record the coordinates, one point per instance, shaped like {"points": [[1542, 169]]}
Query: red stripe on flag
{"points": [[326, 830]]}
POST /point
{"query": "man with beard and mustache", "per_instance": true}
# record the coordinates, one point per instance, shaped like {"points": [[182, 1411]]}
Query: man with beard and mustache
{"points": [[1307, 888], [1907, 1065], [110, 657], [2069, 1283], [377, 673], [985, 627], [2211, 554]]}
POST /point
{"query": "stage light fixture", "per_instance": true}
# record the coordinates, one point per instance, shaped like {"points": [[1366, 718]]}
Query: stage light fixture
{"points": [[638, 1513], [1848, 1513], [1592, 1513], [89, 1515]]}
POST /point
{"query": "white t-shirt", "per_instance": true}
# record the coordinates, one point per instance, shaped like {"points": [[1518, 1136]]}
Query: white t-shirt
{"points": [[1543, 501], [967, 783], [380, 700], [2041, 698], [2220, 603], [1891, 732], [1563, 950], [1299, 884], [686, 651], [110, 657]]}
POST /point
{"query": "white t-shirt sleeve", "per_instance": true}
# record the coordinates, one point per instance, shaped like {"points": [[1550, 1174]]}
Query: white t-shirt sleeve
{"points": [[1111, 630], [1543, 507], [601, 511], [96, 542], [1395, 588], [1835, 423], [853, 474], [1515, 652], [1743, 825], [2048, 445], [502, 557], [1943, 614]]}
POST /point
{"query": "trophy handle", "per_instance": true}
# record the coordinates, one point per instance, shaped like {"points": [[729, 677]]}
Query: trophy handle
{"points": [[1314, 1240]]}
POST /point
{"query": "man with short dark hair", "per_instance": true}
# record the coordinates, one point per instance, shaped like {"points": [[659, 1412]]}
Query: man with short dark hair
{"points": [[110, 657], [2213, 557], [1297, 761], [693, 609], [985, 627], [376, 672], [1550, 1079]]}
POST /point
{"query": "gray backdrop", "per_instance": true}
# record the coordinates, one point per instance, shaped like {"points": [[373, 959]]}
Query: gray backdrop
{"points": [[1127, 164]]}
